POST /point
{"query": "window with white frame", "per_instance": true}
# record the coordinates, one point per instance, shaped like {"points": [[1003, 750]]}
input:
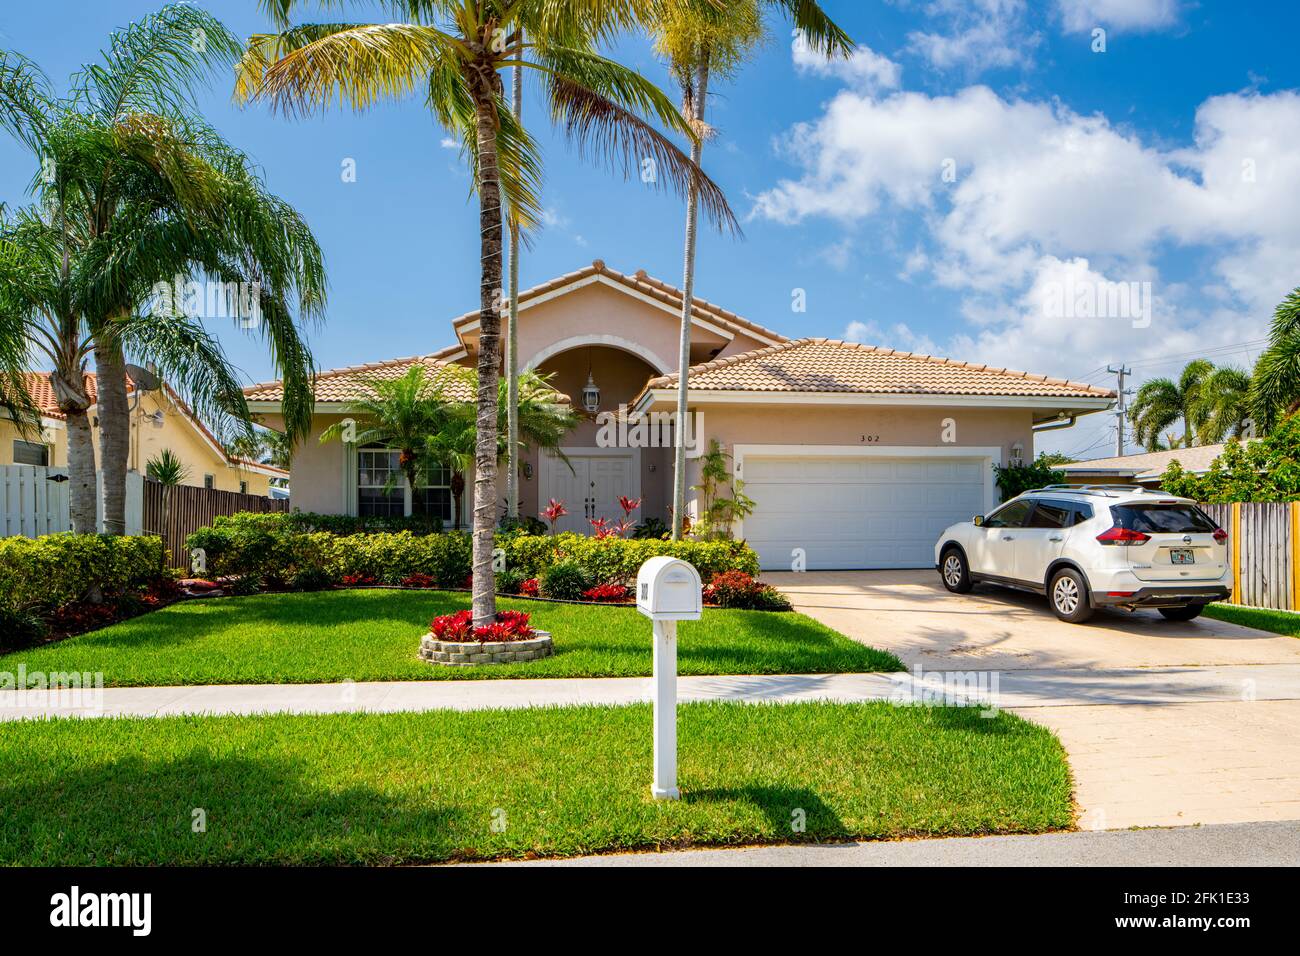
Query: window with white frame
{"points": [[382, 491]]}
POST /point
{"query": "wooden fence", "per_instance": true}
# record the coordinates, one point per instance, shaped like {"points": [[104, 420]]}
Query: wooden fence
{"points": [[34, 501], [1264, 542], [176, 511]]}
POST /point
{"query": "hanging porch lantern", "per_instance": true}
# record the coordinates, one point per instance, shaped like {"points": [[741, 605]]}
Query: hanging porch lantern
{"points": [[591, 394]]}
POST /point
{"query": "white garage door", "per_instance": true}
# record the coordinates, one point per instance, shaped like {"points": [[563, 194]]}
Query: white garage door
{"points": [[849, 512]]}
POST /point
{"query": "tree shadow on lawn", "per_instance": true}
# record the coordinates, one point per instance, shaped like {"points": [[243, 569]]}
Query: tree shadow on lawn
{"points": [[262, 810], [786, 808]]}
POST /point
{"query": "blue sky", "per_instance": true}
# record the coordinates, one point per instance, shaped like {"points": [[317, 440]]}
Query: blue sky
{"points": [[1168, 158]]}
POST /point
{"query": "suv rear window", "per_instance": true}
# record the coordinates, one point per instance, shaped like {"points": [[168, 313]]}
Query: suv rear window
{"points": [[1163, 519]]}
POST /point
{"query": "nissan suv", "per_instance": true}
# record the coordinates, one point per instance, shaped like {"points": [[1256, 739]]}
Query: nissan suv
{"points": [[1093, 546]]}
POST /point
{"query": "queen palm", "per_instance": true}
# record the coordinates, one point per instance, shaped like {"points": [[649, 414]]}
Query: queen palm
{"points": [[1275, 387], [703, 40], [1161, 403], [453, 52], [143, 192], [1223, 405]]}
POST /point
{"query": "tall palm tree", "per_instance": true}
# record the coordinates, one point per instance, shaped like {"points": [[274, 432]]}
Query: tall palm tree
{"points": [[144, 192], [453, 52], [1223, 405], [703, 40], [1275, 388], [1162, 402]]}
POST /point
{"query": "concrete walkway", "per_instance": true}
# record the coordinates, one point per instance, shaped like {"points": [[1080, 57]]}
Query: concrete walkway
{"points": [[1249, 844], [1022, 691]]}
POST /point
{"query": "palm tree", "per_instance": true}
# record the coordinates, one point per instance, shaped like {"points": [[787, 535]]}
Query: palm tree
{"points": [[264, 445], [703, 40], [402, 413], [1162, 402], [1275, 388], [1223, 405], [167, 469], [143, 192], [543, 417], [453, 52]]}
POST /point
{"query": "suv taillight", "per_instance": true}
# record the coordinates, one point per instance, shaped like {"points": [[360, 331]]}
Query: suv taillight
{"points": [[1123, 536], [1220, 535]]}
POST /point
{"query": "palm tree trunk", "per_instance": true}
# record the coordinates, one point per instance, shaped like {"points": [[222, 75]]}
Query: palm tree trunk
{"points": [[489, 359], [694, 109], [81, 472], [512, 336], [114, 432]]}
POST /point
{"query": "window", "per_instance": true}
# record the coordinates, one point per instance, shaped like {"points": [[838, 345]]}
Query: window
{"points": [[209, 481], [31, 453], [1052, 514], [1163, 519], [434, 497], [380, 488], [243, 487], [1012, 515]]}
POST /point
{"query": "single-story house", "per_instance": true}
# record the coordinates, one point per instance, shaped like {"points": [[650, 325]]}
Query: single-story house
{"points": [[855, 454], [159, 419], [1145, 468]]}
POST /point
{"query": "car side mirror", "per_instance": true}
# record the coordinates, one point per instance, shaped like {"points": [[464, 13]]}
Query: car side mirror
{"points": [[978, 521]]}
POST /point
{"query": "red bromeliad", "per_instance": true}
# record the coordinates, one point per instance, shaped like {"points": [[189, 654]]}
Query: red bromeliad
{"points": [[459, 628], [554, 512]]}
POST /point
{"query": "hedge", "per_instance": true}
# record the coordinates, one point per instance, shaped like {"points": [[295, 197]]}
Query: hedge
{"points": [[276, 556], [57, 569], [334, 524]]}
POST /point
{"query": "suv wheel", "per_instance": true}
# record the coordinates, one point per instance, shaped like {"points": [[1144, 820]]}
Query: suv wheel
{"points": [[1182, 613], [1068, 594], [953, 570]]}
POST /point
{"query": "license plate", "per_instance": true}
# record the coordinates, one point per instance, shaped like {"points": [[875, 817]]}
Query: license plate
{"points": [[1182, 556]]}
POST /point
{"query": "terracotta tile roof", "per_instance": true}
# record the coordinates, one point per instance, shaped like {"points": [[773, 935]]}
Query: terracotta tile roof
{"points": [[1151, 464], [825, 365], [350, 383], [42, 392], [645, 284]]}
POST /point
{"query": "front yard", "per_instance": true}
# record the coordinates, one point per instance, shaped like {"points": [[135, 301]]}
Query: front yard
{"points": [[399, 788], [373, 635]]}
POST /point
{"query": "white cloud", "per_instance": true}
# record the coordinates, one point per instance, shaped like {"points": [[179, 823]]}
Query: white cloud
{"points": [[1081, 16], [864, 69], [984, 34], [449, 143]]}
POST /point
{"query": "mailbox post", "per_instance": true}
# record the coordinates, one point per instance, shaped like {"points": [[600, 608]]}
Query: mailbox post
{"points": [[667, 591]]}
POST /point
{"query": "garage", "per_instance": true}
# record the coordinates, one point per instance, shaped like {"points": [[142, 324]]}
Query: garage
{"points": [[858, 510]]}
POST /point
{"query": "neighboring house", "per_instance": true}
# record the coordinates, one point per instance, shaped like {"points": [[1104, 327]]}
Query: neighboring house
{"points": [[159, 420], [857, 455], [1142, 469]]}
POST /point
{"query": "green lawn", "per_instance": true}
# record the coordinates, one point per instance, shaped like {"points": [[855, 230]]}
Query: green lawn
{"points": [[365, 635], [1279, 622], [396, 788]]}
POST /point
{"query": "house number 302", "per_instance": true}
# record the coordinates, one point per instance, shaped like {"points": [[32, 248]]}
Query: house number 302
{"points": [[870, 438]]}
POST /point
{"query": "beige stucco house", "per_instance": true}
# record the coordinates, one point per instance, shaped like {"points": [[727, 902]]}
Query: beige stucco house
{"points": [[1145, 468], [855, 455], [159, 419]]}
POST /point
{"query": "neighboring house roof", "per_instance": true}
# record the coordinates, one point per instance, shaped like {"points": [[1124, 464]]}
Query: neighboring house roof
{"points": [[353, 382], [827, 365], [643, 284], [42, 393], [1148, 465]]}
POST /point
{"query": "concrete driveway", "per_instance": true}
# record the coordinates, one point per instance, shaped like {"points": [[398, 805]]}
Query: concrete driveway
{"points": [[1214, 748]]}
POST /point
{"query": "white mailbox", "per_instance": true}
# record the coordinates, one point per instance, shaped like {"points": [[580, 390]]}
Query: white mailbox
{"points": [[668, 589]]}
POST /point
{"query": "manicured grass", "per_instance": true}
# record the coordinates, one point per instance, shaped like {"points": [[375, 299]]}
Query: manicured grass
{"points": [[395, 788], [365, 635], [1279, 622]]}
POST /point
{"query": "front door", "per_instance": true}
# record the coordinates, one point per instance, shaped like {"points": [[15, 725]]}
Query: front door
{"points": [[590, 489]]}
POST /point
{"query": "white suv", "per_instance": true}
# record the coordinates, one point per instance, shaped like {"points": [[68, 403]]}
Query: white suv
{"points": [[1090, 546]]}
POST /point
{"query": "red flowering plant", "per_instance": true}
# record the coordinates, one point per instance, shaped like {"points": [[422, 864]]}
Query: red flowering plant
{"points": [[459, 628], [554, 512], [609, 591], [530, 587], [358, 580], [737, 589], [418, 580]]}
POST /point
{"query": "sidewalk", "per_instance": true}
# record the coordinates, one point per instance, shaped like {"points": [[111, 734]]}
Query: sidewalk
{"points": [[1013, 690]]}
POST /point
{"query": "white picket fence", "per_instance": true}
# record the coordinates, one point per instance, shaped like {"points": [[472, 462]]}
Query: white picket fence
{"points": [[33, 502]]}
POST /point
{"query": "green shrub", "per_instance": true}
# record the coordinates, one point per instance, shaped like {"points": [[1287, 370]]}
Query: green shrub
{"points": [[509, 581], [652, 528], [20, 627], [564, 581], [311, 579], [343, 525], [48, 572], [619, 559]]}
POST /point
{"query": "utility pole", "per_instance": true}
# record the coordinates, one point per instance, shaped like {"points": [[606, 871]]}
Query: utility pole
{"points": [[1121, 410]]}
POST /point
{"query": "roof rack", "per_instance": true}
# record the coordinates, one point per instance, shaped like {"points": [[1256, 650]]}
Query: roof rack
{"points": [[1106, 490]]}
